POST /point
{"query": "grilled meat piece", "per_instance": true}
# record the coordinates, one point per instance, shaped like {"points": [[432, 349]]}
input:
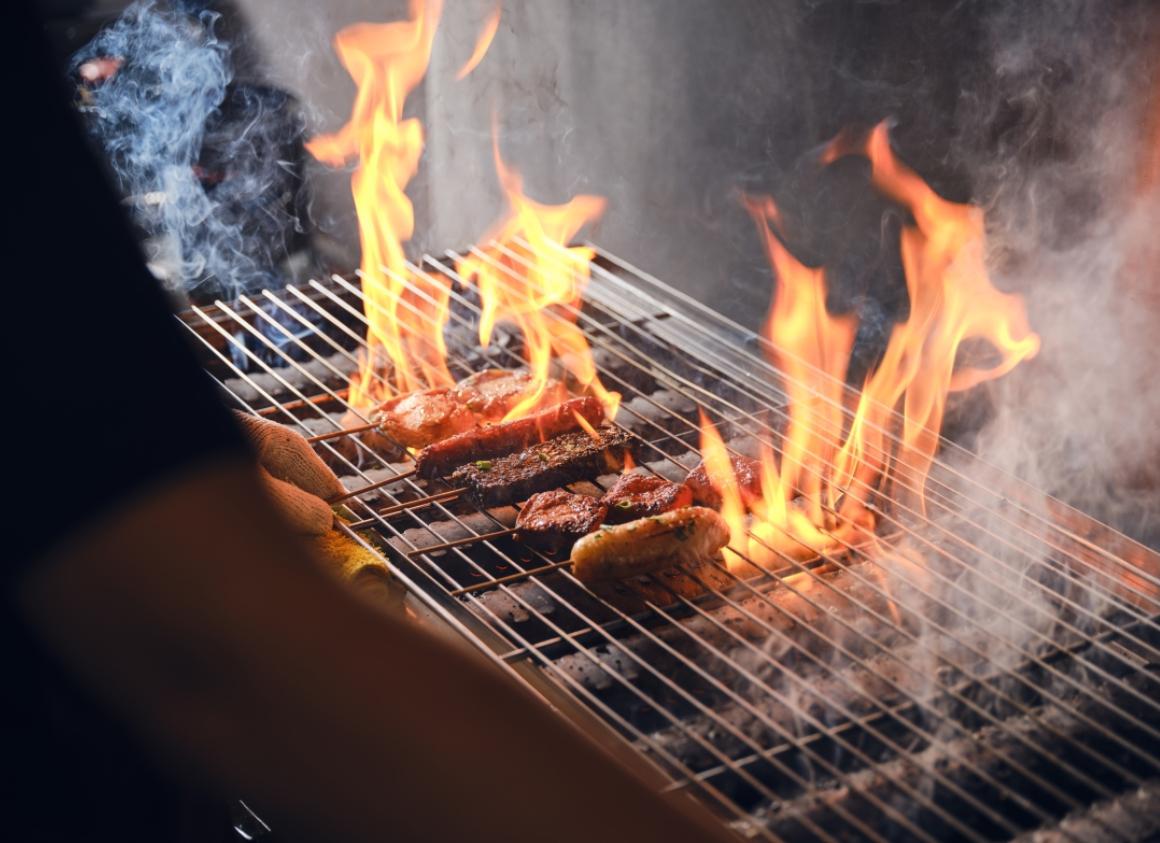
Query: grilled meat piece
{"points": [[555, 519], [545, 465], [689, 534], [493, 393], [746, 470], [440, 458], [419, 418], [636, 495]]}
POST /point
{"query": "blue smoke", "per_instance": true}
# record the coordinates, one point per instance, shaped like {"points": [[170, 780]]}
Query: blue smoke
{"points": [[207, 166]]}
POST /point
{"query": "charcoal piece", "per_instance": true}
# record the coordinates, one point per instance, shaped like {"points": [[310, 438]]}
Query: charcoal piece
{"points": [[545, 465]]}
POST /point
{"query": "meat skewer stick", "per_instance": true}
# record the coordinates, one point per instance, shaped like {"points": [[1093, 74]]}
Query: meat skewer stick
{"points": [[558, 517], [645, 546], [538, 468], [547, 520], [543, 465], [522, 575], [440, 458], [338, 434], [370, 487], [417, 419]]}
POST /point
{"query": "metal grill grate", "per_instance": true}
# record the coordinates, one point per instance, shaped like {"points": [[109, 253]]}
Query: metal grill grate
{"points": [[1002, 685]]}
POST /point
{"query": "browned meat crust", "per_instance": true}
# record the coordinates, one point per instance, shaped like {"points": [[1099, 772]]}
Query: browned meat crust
{"points": [[544, 465], [439, 458], [555, 519], [492, 393], [419, 418], [747, 472], [636, 495]]}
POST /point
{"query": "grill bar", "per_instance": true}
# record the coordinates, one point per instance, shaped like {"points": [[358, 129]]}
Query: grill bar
{"points": [[727, 660], [818, 759], [900, 524]]}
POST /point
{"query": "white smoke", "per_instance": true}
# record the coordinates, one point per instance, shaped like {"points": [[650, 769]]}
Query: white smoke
{"points": [[1072, 228]]}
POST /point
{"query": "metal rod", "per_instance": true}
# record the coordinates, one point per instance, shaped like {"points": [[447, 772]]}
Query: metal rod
{"points": [[338, 434], [407, 506], [522, 575], [378, 484], [495, 534]]}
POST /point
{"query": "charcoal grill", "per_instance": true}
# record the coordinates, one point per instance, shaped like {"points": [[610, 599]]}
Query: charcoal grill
{"points": [[996, 680]]}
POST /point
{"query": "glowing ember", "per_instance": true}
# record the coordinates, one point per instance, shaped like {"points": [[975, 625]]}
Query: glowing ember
{"points": [[537, 289], [405, 314], [814, 492]]}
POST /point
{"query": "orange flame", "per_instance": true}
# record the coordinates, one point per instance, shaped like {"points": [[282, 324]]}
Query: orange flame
{"points": [[486, 35], [818, 475], [807, 340], [537, 289], [586, 426], [719, 470], [405, 323], [952, 301]]}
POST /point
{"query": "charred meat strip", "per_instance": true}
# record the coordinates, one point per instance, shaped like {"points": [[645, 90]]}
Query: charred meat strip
{"points": [[493, 393], [555, 519], [440, 458], [420, 418], [689, 534], [541, 466], [746, 470], [636, 495]]}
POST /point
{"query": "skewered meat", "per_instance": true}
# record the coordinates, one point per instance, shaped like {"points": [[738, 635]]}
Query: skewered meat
{"points": [[440, 458], [417, 419], [689, 534], [555, 519], [493, 393], [636, 495], [746, 470], [541, 466]]}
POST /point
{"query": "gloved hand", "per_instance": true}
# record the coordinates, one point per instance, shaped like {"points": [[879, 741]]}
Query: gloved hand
{"points": [[297, 480]]}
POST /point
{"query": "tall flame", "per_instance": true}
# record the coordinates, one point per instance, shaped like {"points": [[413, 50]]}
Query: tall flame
{"points": [[814, 493], [538, 290], [405, 313], [807, 340], [952, 301]]}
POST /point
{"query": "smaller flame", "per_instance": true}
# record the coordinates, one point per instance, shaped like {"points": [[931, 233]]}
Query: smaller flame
{"points": [[540, 291], [405, 314], [586, 426], [486, 35], [719, 470], [629, 462]]}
